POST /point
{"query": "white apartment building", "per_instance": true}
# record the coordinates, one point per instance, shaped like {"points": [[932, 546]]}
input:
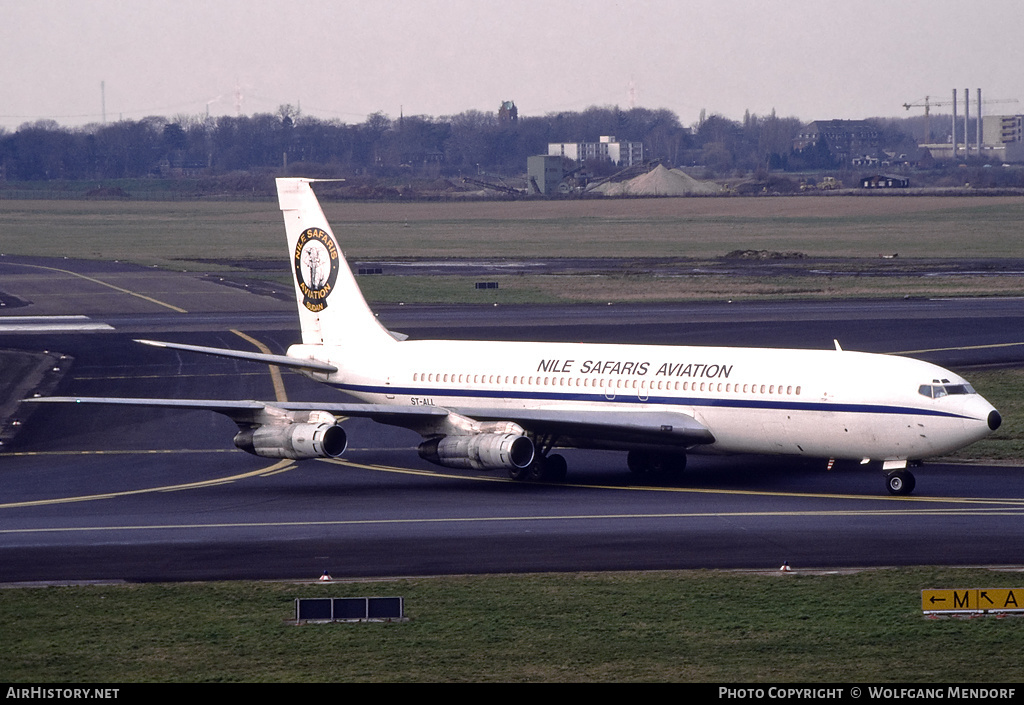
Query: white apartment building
{"points": [[608, 149]]}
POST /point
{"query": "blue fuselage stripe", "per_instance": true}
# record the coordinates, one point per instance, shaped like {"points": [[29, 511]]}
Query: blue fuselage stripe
{"points": [[716, 402]]}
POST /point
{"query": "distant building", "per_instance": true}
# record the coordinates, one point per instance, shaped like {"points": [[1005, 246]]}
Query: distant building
{"points": [[608, 149], [866, 160], [883, 181], [845, 139], [545, 172], [508, 112], [1002, 137], [423, 162], [1002, 129]]}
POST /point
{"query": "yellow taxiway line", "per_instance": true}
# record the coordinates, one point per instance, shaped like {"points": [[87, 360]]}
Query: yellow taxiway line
{"points": [[277, 467], [136, 294]]}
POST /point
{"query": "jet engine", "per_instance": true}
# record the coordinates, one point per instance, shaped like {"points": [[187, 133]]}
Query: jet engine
{"points": [[293, 440], [482, 451]]}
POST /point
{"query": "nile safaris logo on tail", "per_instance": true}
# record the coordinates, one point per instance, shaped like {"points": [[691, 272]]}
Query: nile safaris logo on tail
{"points": [[316, 267]]}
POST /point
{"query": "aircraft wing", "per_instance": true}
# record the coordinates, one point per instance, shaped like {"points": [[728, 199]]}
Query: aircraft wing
{"points": [[596, 428], [587, 428], [247, 411]]}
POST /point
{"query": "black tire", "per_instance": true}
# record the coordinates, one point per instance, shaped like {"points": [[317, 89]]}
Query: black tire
{"points": [[521, 473], [556, 469], [900, 482], [639, 462], [669, 465], [548, 469]]}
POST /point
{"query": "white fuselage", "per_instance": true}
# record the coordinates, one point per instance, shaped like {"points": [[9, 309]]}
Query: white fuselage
{"points": [[833, 403]]}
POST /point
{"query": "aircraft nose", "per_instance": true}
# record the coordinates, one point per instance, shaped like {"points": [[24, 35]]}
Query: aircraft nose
{"points": [[994, 420]]}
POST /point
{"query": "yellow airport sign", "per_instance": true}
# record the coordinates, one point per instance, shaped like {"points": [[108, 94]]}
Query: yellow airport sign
{"points": [[973, 600]]}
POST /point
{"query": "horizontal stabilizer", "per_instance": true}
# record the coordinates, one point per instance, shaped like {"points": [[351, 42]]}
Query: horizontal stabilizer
{"points": [[280, 360]]}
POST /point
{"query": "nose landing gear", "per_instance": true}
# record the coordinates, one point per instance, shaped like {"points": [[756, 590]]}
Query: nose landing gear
{"points": [[900, 481]]}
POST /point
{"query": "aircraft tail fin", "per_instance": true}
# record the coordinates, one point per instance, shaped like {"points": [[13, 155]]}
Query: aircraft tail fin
{"points": [[332, 310]]}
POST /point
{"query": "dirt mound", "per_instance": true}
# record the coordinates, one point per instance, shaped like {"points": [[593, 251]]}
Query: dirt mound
{"points": [[660, 181], [764, 254]]}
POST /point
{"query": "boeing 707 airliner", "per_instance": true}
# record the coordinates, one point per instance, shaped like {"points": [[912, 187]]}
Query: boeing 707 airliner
{"points": [[505, 406]]}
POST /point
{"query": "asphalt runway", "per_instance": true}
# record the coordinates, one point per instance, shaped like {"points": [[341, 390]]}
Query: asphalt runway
{"points": [[145, 494]]}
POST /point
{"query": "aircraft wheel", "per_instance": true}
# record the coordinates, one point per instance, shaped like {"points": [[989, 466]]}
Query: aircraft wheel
{"points": [[662, 464], [548, 469], [521, 473], [900, 482], [668, 464], [537, 471], [638, 462], [556, 469]]}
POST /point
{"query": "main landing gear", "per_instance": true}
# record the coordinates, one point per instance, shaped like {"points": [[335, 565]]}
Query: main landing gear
{"points": [[646, 463], [546, 466], [550, 468]]}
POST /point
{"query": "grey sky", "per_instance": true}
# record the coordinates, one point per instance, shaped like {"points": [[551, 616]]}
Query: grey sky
{"points": [[345, 59]]}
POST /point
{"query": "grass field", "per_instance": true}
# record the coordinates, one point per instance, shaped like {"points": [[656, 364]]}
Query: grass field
{"points": [[640, 288], [207, 236], [695, 626], [167, 233]]}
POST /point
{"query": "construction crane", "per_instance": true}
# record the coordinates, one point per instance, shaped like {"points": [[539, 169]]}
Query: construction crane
{"points": [[927, 103]]}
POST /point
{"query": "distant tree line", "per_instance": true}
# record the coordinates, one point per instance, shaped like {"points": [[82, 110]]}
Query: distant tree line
{"points": [[464, 144]]}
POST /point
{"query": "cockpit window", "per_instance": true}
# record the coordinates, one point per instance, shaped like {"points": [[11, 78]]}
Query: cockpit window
{"points": [[935, 391], [959, 389]]}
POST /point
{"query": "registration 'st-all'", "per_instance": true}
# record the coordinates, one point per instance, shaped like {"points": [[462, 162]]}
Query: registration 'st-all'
{"points": [[506, 406]]}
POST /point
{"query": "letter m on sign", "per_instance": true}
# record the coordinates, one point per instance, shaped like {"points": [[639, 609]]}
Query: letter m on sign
{"points": [[960, 600]]}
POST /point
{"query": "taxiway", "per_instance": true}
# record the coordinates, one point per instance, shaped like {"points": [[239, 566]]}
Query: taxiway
{"points": [[149, 494]]}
